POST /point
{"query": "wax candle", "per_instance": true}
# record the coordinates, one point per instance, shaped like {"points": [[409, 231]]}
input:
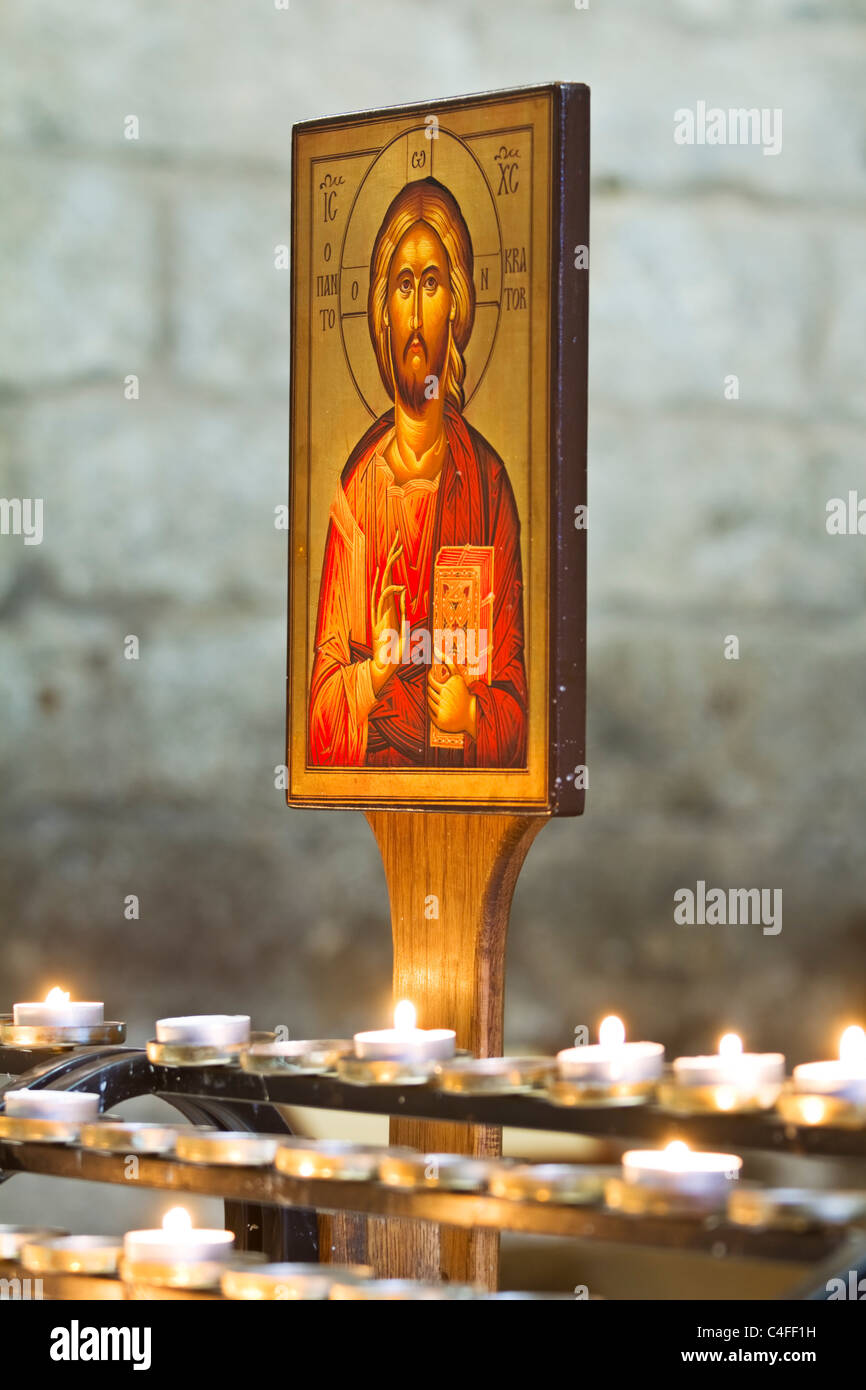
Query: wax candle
{"points": [[72, 1106], [13, 1238], [746, 1073], [677, 1169], [405, 1042], [177, 1242], [57, 1011], [202, 1030], [611, 1060], [844, 1078]]}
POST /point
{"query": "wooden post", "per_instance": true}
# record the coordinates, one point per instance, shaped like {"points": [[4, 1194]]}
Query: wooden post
{"points": [[450, 879]]}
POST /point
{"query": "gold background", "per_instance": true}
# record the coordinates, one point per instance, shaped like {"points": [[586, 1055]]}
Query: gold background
{"points": [[336, 390]]}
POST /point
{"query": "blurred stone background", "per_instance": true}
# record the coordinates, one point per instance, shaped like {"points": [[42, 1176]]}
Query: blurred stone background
{"points": [[156, 257]]}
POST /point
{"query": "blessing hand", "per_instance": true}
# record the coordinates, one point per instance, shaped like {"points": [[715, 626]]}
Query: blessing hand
{"points": [[386, 620]]}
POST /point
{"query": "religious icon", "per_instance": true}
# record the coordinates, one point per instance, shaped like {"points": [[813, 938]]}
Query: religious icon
{"points": [[420, 481], [422, 412]]}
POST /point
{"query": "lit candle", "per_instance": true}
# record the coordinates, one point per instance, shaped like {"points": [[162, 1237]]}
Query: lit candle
{"points": [[738, 1075], [203, 1030], [71, 1106], [611, 1059], [845, 1078], [405, 1042], [677, 1169], [56, 1011], [177, 1242]]}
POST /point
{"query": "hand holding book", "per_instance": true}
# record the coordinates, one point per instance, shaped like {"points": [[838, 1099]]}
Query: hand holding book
{"points": [[452, 707]]}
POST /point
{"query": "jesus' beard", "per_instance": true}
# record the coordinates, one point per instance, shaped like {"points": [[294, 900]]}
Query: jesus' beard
{"points": [[412, 389]]}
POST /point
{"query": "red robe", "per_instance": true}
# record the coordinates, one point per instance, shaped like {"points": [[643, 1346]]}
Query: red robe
{"points": [[470, 503]]}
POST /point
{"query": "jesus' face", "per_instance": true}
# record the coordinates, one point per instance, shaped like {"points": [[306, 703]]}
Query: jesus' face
{"points": [[419, 309]]}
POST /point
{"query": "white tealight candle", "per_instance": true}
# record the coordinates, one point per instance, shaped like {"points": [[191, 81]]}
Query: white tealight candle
{"points": [[747, 1073], [611, 1060], [679, 1170], [56, 1011], [845, 1078], [203, 1030], [404, 1042], [177, 1242], [72, 1106]]}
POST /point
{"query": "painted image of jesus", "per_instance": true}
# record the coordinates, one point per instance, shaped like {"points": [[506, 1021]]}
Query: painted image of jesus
{"points": [[421, 483]]}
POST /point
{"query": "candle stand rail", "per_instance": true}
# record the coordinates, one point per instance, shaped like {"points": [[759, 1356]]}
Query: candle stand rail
{"points": [[281, 1215]]}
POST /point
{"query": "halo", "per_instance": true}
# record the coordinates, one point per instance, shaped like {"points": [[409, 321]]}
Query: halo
{"points": [[409, 156]]}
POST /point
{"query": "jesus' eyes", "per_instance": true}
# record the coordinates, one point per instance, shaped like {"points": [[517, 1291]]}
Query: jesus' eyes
{"points": [[430, 283]]}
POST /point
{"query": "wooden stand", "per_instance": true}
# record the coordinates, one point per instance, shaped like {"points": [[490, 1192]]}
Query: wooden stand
{"points": [[450, 879]]}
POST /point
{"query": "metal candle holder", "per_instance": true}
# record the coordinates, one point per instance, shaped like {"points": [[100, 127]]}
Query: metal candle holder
{"points": [[636, 1199], [718, 1097], [72, 1255], [110, 1135], [236, 1148], [289, 1282], [331, 1158], [793, 1208], [171, 1274], [445, 1172], [568, 1183], [59, 1038], [803, 1108], [212, 1054], [399, 1290], [390, 1071], [301, 1057], [494, 1075], [566, 1092], [31, 1129], [192, 1054]]}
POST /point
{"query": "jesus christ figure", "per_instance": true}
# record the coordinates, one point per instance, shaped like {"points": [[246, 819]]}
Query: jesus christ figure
{"points": [[420, 478]]}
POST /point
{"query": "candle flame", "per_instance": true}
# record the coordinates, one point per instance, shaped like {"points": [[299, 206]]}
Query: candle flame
{"points": [[813, 1109], [677, 1153], [852, 1047], [731, 1045], [611, 1031], [57, 996], [405, 1016], [176, 1221]]}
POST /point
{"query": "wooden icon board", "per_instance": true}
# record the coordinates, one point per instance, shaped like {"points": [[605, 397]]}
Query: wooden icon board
{"points": [[438, 456]]}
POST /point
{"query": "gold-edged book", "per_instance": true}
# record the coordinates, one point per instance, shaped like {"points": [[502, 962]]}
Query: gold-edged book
{"points": [[462, 620]]}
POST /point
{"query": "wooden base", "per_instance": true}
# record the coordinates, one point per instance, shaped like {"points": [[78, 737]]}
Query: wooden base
{"points": [[450, 879]]}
